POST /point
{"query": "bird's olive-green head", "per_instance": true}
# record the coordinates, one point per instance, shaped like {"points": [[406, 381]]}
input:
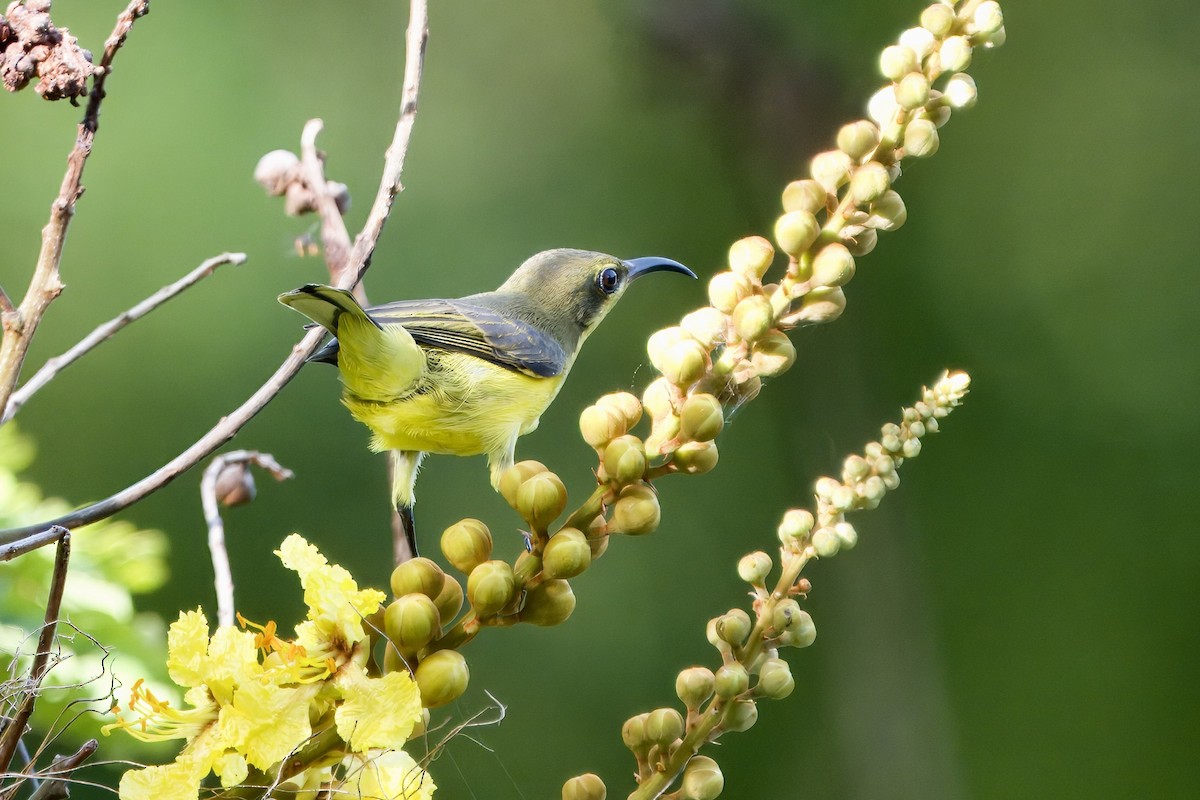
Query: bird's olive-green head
{"points": [[568, 292]]}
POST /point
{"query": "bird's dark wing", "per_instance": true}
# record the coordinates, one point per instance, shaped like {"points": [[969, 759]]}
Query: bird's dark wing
{"points": [[478, 331]]}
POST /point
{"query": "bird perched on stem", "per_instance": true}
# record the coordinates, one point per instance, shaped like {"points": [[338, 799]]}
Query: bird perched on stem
{"points": [[470, 375]]}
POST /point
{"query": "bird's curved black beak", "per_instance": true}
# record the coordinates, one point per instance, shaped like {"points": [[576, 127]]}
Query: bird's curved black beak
{"points": [[641, 266]]}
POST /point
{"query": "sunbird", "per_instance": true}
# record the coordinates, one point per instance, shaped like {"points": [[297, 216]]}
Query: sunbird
{"points": [[470, 375]]}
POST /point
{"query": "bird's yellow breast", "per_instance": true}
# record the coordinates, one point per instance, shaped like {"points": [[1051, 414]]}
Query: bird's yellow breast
{"points": [[461, 405]]}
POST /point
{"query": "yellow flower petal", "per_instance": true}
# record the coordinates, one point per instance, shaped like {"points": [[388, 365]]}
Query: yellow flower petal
{"points": [[392, 775], [187, 648], [336, 605], [376, 712], [231, 768], [179, 781], [270, 721]]}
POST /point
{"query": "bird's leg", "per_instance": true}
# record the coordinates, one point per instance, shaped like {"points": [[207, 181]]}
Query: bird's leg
{"points": [[404, 466]]}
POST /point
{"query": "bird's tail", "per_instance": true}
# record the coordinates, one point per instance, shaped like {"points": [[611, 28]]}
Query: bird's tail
{"points": [[376, 362]]}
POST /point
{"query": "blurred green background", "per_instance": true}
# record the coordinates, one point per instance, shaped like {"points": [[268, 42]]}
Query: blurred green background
{"points": [[1018, 620]]}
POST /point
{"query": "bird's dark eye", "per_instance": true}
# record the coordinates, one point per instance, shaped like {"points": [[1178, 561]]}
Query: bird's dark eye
{"points": [[608, 280]]}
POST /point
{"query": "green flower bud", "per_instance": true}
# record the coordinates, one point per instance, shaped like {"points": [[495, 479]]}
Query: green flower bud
{"points": [[512, 478], [754, 568], [633, 733], [869, 182], [988, 17], [701, 418], [823, 304], [938, 19], [825, 542], [990, 40], [787, 616], [773, 354], [419, 729], [775, 679], [636, 511], [418, 575], [833, 266], [412, 621], [897, 61], [549, 603], [741, 716], [797, 630], [541, 498], [714, 638], [625, 459], [731, 680], [684, 363], [734, 626], [753, 317], [795, 525], [751, 256], [567, 554], [442, 678], [860, 241], [913, 91], [955, 54], [854, 469], [961, 91], [694, 685], [726, 290], [919, 40], [584, 787], [601, 424], [664, 726], [628, 405], [706, 325], [490, 587], [830, 169], [702, 780], [888, 212], [920, 138], [806, 195], [882, 107], [847, 536], [598, 545], [450, 601], [796, 231], [696, 458], [393, 661], [858, 139], [466, 544]]}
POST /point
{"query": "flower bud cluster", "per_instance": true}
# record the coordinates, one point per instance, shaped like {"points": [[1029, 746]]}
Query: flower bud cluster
{"points": [[536, 493], [282, 175], [835, 215], [426, 602], [30, 45], [866, 478]]}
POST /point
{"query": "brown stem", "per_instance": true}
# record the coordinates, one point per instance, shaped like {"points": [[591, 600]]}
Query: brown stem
{"points": [[54, 787], [21, 323], [223, 576], [16, 725], [364, 246], [106, 331]]}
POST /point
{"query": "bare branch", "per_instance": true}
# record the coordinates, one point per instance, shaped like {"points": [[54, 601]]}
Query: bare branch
{"points": [[21, 324], [364, 246], [103, 332], [16, 725], [32, 542], [334, 235], [54, 785], [211, 500]]}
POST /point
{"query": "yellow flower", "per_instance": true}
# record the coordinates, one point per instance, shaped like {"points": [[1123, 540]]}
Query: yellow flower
{"points": [[376, 712], [390, 775], [336, 606], [179, 781]]}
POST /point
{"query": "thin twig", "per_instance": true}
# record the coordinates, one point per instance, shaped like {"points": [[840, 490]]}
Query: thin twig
{"points": [[334, 236], [32, 542], [16, 725], [105, 331], [222, 575], [45, 285], [364, 246], [54, 786]]}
